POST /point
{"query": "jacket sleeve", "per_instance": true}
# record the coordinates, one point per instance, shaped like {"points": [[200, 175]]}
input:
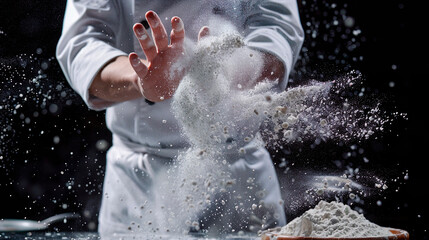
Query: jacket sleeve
{"points": [[88, 42], [274, 26]]}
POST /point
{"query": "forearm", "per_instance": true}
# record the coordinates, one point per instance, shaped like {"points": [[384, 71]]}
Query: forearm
{"points": [[116, 82]]}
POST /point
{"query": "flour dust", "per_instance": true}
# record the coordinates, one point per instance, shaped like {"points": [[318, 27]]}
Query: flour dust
{"points": [[210, 101], [221, 113]]}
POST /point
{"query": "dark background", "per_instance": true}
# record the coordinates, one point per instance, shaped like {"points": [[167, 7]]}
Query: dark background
{"points": [[52, 148]]}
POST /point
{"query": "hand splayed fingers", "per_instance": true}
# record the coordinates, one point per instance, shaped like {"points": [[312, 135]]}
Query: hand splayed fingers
{"points": [[156, 79]]}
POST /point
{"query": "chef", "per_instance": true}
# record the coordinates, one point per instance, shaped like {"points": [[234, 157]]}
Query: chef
{"points": [[114, 53]]}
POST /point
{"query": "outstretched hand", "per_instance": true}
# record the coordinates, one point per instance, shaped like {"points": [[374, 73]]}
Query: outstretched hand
{"points": [[157, 80]]}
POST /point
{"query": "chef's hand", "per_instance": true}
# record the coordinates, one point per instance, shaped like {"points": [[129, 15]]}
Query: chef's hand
{"points": [[119, 81], [157, 79]]}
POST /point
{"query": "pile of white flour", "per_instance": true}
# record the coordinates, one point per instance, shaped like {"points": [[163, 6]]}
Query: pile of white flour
{"points": [[333, 219]]}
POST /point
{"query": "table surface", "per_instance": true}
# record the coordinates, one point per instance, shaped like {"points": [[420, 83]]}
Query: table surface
{"points": [[96, 236]]}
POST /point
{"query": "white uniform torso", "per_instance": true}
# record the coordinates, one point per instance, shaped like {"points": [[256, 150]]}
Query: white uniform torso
{"points": [[138, 121], [146, 137]]}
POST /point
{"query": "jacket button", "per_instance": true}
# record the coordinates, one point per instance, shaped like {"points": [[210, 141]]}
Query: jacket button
{"points": [[145, 23], [149, 102]]}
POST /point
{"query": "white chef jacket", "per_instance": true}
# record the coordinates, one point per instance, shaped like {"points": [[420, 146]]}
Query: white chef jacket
{"points": [[146, 136]]}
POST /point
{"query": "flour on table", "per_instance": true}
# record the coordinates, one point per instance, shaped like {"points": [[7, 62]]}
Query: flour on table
{"points": [[333, 219]]}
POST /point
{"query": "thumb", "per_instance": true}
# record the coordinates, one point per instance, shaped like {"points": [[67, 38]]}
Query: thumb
{"points": [[137, 65], [140, 69]]}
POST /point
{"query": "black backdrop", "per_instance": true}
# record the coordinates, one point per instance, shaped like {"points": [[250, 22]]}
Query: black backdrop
{"points": [[52, 148]]}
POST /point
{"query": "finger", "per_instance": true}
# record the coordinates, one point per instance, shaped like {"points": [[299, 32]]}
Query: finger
{"points": [[177, 33], [159, 33], [137, 65], [204, 32], [146, 43]]}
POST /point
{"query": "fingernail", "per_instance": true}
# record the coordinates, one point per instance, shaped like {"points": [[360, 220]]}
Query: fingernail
{"points": [[179, 24], [150, 14], [135, 61], [139, 29], [206, 30], [152, 17], [141, 33]]}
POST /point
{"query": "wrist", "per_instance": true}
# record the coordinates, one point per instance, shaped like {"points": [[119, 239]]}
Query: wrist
{"points": [[116, 82], [138, 84]]}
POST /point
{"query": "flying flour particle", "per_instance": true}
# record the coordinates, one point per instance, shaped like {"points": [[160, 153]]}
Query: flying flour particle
{"points": [[213, 111], [220, 114]]}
